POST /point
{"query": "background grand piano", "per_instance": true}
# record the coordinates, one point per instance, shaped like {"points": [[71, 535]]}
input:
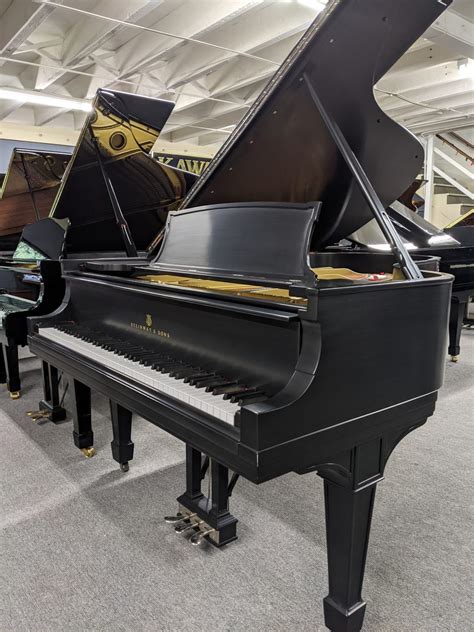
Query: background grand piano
{"points": [[115, 197], [454, 246]]}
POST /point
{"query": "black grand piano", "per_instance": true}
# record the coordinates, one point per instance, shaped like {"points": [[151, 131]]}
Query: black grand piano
{"points": [[245, 337], [114, 198], [454, 246]]}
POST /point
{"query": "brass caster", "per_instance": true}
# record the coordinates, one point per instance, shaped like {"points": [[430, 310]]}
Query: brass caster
{"points": [[124, 467], [88, 452], [454, 358], [15, 394]]}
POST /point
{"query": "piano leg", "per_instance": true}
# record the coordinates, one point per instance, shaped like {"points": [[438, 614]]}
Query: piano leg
{"points": [[122, 445], [81, 414], [456, 317], [51, 402], [218, 526], [13, 370], [3, 370], [349, 501]]}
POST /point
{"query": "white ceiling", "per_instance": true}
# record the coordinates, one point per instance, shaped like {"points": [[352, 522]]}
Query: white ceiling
{"points": [[60, 51]]}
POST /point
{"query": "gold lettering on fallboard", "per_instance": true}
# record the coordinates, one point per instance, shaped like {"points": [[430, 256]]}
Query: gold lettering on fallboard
{"points": [[151, 330]]}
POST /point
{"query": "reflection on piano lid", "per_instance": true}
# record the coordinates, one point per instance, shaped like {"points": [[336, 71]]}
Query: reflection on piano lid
{"points": [[123, 128], [29, 187], [282, 150], [416, 232]]}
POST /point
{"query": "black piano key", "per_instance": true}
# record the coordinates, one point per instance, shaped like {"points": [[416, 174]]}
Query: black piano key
{"points": [[172, 365], [203, 381], [197, 376], [250, 398], [181, 373], [154, 360], [240, 389], [221, 386], [136, 355]]}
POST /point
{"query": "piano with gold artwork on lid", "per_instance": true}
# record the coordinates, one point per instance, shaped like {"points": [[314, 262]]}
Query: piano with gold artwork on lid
{"points": [[112, 201]]}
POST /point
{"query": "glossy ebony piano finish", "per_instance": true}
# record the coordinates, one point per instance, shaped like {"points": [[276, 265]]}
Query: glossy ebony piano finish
{"points": [[246, 337], [114, 196], [28, 191]]}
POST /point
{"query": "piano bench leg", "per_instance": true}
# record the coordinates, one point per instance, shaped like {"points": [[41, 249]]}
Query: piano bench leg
{"points": [[3, 370], [51, 403], [13, 370], [81, 415], [122, 445], [211, 519]]}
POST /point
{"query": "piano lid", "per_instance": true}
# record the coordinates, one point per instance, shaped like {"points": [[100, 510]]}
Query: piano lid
{"points": [[29, 187], [281, 151], [125, 127], [416, 231]]}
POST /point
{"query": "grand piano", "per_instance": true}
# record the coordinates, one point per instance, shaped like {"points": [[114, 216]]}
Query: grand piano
{"points": [[453, 246], [114, 198], [27, 191], [249, 340]]}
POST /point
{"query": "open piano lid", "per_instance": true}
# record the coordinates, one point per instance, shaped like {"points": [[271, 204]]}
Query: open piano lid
{"points": [[415, 230], [44, 170], [125, 127], [282, 151], [29, 187]]}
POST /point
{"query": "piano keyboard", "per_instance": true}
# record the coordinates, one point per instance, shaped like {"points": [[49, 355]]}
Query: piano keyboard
{"points": [[199, 388]]}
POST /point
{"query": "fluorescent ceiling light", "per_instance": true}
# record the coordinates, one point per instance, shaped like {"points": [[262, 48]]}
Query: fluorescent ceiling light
{"points": [[466, 68], [37, 98]]}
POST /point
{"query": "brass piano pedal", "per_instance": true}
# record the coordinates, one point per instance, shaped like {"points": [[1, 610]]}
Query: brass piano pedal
{"points": [[454, 358], [38, 414], [198, 538], [88, 452], [179, 517], [181, 529], [15, 394]]}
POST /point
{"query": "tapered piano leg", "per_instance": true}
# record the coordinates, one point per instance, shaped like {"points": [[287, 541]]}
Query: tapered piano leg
{"points": [[122, 446], [212, 515], [348, 517], [81, 414], [3, 369], [349, 487], [13, 370], [51, 402], [456, 317]]}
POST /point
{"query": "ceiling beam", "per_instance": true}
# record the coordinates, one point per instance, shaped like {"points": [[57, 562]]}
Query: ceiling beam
{"points": [[453, 32], [189, 20], [18, 22]]}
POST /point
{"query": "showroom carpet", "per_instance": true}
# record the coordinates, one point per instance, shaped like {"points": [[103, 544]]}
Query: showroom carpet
{"points": [[84, 546]]}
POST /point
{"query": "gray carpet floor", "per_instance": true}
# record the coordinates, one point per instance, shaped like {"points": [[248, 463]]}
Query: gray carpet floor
{"points": [[84, 546]]}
